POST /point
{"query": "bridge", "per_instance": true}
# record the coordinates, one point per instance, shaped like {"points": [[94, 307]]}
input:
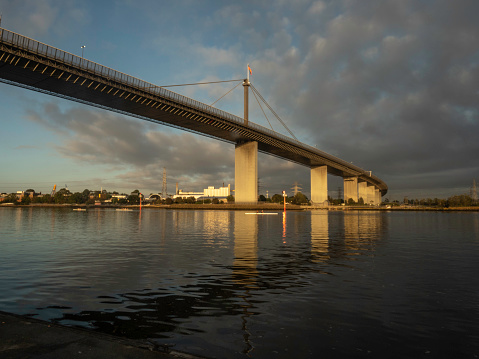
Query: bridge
{"points": [[33, 65]]}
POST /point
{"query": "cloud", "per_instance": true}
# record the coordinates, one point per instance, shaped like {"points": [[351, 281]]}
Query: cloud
{"points": [[136, 148], [39, 18], [391, 89]]}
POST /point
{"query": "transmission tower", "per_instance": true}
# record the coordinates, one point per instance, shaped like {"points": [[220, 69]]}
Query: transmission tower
{"points": [[296, 188], [163, 192]]}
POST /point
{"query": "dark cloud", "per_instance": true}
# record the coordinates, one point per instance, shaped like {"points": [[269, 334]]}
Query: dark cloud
{"points": [[391, 86]]}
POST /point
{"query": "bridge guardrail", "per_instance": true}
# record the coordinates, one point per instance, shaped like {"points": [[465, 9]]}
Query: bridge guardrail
{"points": [[42, 49], [97, 69]]}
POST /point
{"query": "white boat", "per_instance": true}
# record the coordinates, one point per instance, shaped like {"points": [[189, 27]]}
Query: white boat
{"points": [[79, 209], [124, 209], [261, 213]]}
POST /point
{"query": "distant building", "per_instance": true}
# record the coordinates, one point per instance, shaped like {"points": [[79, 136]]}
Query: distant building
{"points": [[210, 192], [119, 196]]}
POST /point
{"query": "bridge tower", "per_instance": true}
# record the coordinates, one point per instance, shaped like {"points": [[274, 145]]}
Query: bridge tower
{"points": [[246, 160]]}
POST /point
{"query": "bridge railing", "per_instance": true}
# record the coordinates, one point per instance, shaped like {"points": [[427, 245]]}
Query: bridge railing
{"points": [[64, 57], [56, 54]]}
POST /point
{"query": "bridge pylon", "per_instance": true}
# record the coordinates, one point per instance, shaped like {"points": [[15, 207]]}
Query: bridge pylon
{"points": [[246, 85]]}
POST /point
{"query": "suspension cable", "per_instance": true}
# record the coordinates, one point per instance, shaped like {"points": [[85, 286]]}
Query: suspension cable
{"points": [[261, 107], [239, 83], [202, 83], [274, 113]]}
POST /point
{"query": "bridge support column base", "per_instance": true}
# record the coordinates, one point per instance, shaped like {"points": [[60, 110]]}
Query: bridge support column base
{"points": [[246, 172], [319, 185], [370, 194], [350, 189], [377, 193], [362, 191]]}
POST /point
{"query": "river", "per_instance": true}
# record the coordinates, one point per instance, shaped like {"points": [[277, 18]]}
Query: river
{"points": [[227, 284]]}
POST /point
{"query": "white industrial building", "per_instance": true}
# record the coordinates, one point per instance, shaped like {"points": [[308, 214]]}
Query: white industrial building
{"points": [[210, 192]]}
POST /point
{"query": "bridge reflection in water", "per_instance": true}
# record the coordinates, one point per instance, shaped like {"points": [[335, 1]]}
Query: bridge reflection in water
{"points": [[188, 277], [347, 234]]}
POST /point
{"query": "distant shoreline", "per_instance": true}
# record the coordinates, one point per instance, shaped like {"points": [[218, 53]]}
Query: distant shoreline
{"points": [[257, 207]]}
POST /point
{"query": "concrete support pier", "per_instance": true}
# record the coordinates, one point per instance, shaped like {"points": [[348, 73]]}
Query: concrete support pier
{"points": [[350, 189], [362, 191], [319, 185], [371, 195], [378, 196], [246, 172]]}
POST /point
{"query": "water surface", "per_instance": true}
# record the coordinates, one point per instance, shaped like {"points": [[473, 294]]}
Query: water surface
{"points": [[229, 285]]}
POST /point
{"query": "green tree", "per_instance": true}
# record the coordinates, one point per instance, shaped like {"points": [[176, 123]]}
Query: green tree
{"points": [[230, 198], [77, 197], [277, 198], [261, 198], [299, 198], [216, 201], [47, 198], [134, 199], [26, 200], [459, 201], [169, 201], [59, 198], [361, 201], [11, 198]]}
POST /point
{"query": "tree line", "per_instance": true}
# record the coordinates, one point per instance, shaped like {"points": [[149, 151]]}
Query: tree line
{"points": [[64, 196]]}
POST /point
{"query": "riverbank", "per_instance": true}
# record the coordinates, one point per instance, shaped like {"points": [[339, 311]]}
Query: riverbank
{"points": [[24, 337], [252, 207]]}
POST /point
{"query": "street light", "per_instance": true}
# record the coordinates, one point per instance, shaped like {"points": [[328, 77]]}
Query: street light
{"points": [[82, 47]]}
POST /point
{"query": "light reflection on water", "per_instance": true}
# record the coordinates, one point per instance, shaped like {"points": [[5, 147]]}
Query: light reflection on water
{"points": [[225, 284]]}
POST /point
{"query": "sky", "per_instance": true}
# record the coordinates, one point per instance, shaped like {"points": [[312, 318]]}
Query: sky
{"points": [[391, 86]]}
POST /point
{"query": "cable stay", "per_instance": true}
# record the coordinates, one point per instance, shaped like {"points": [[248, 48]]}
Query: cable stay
{"points": [[202, 83], [261, 107], [239, 83], [255, 93], [274, 113]]}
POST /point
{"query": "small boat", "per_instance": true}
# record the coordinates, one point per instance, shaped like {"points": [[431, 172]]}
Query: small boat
{"points": [[124, 209], [261, 213], [79, 209]]}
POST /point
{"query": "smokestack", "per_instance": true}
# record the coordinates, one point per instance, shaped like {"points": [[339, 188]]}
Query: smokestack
{"points": [[176, 188]]}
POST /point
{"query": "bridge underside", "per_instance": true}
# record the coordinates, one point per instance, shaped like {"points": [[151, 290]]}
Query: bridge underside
{"points": [[107, 95], [84, 81]]}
